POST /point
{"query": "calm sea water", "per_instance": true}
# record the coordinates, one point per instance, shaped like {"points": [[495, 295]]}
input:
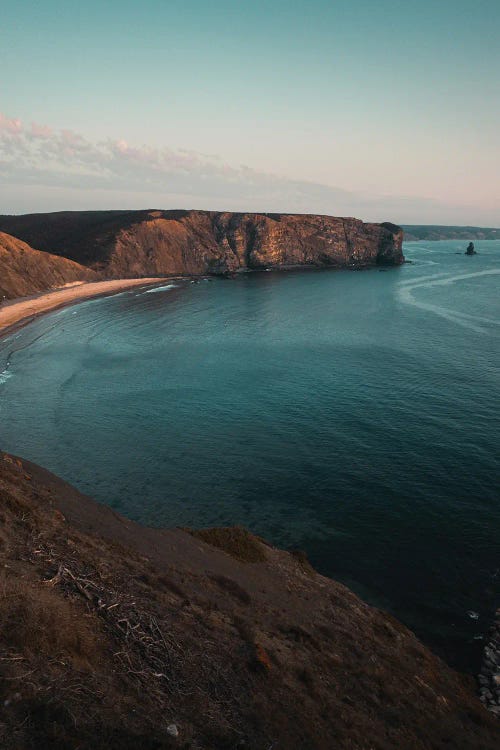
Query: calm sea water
{"points": [[351, 414]]}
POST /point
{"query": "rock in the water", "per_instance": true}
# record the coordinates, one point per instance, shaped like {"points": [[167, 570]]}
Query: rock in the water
{"points": [[489, 679], [470, 249]]}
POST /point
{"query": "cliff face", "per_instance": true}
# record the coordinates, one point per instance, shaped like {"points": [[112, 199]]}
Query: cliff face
{"points": [[25, 271], [139, 243], [114, 636]]}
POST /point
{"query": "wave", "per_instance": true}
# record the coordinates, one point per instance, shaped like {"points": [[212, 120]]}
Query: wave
{"points": [[161, 288], [422, 279], [405, 294], [4, 376], [459, 277]]}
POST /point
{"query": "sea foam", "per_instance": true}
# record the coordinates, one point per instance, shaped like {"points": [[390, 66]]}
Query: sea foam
{"points": [[161, 288], [4, 376]]}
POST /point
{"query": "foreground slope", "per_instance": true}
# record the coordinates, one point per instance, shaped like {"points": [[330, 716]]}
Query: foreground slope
{"points": [[25, 271], [135, 243], [110, 633]]}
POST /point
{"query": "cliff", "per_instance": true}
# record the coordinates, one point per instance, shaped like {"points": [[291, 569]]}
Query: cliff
{"points": [[124, 244], [117, 636], [25, 271]]}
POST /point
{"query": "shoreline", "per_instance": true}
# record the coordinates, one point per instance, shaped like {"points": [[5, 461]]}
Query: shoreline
{"points": [[19, 312], [489, 677]]}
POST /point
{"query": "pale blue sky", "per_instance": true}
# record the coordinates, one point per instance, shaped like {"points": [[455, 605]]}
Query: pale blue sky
{"points": [[373, 108]]}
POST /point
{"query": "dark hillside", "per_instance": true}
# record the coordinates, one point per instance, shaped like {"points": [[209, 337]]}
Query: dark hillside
{"points": [[115, 636], [25, 271]]}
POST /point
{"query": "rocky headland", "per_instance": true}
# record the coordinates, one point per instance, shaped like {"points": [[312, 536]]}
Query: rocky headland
{"points": [[121, 244], [118, 637]]}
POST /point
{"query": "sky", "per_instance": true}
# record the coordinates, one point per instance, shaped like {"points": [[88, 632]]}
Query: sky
{"points": [[381, 109]]}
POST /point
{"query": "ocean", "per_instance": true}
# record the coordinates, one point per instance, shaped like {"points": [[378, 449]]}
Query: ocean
{"points": [[354, 415]]}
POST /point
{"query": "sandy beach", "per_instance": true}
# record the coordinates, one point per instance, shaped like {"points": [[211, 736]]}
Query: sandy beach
{"points": [[20, 311]]}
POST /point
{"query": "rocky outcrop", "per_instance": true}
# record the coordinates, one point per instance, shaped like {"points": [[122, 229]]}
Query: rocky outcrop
{"points": [[138, 243], [115, 636], [489, 679], [25, 271]]}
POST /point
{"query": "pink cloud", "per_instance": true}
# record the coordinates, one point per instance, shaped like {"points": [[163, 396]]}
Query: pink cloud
{"points": [[121, 146], [71, 138], [40, 131], [63, 159], [10, 125]]}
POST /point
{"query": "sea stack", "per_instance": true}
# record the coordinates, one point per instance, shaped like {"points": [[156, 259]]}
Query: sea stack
{"points": [[470, 249]]}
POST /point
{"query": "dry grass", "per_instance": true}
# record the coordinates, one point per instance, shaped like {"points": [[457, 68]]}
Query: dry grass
{"points": [[235, 541], [35, 621], [233, 588], [303, 560]]}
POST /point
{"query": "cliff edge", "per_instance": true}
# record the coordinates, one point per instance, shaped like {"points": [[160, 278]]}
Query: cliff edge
{"points": [[123, 244], [117, 636]]}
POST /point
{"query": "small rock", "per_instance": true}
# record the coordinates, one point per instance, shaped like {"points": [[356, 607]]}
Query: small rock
{"points": [[172, 730]]}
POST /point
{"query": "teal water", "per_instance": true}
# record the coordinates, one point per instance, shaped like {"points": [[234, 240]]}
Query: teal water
{"points": [[351, 414]]}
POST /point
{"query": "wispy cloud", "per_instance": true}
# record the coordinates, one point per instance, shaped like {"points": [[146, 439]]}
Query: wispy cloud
{"points": [[40, 154], [36, 159]]}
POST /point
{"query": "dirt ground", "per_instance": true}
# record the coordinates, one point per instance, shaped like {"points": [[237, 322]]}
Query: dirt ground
{"points": [[117, 636]]}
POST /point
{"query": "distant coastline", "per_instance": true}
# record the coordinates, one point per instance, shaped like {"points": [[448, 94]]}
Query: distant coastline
{"points": [[435, 232]]}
